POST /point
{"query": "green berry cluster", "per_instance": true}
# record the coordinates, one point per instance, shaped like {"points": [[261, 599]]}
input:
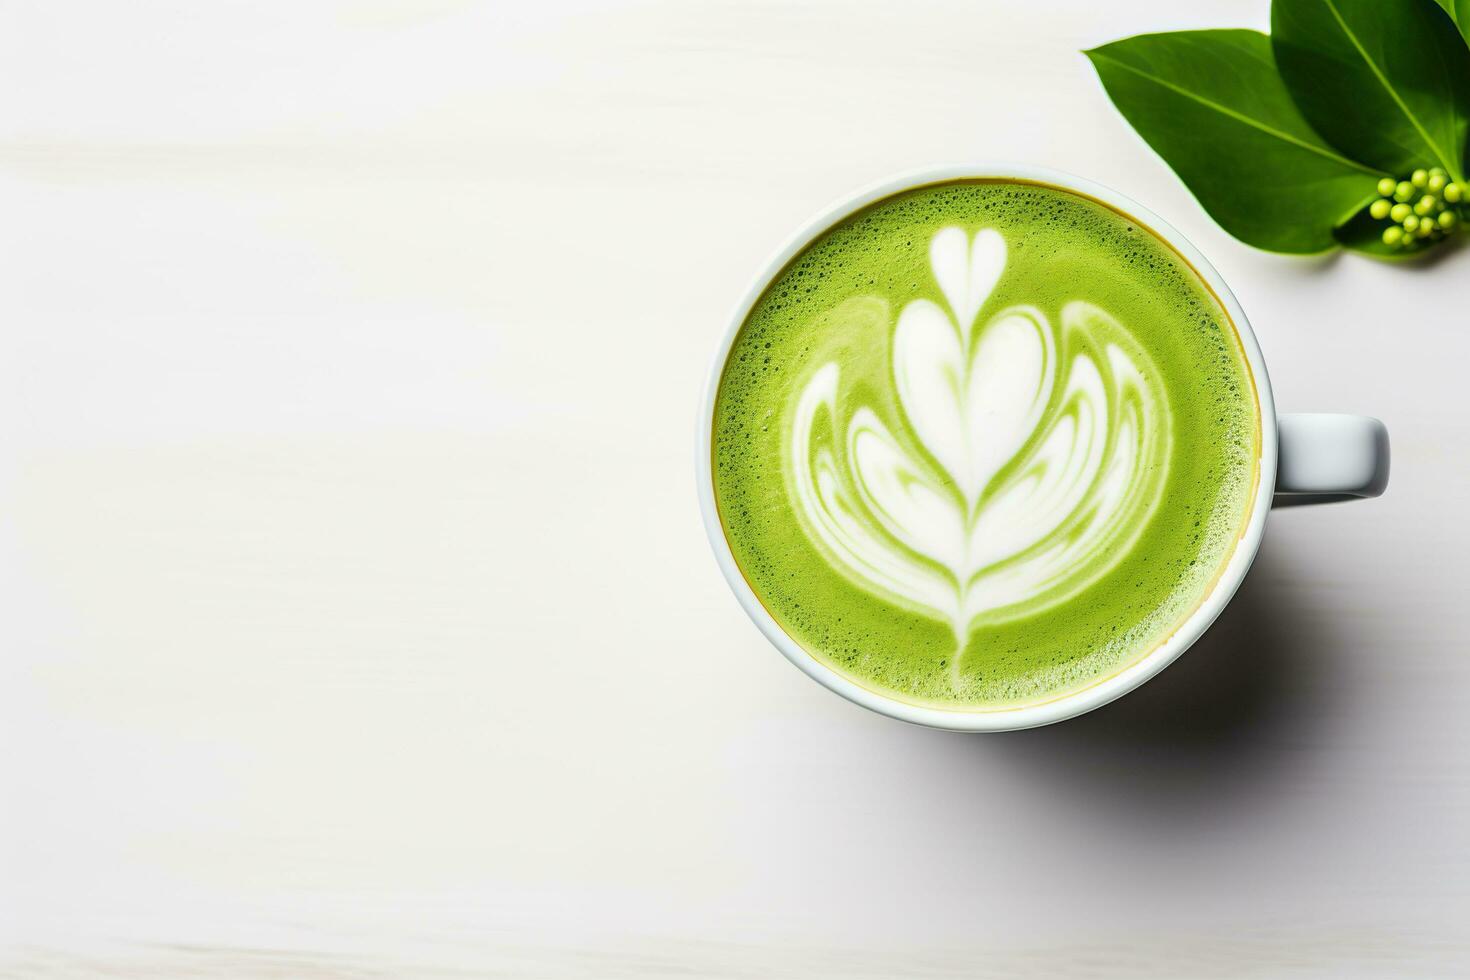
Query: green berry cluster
{"points": [[1423, 209]]}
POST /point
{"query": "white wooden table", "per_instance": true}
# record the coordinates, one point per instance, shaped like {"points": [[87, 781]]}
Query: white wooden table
{"points": [[356, 620]]}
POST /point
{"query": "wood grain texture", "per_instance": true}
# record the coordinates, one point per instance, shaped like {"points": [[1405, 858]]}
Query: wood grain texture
{"points": [[355, 616]]}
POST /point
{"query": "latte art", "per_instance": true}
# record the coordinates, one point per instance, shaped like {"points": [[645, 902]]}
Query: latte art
{"points": [[1022, 465], [983, 443]]}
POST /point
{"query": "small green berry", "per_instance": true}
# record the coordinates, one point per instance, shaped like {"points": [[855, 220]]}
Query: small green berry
{"points": [[1393, 235], [1453, 193], [1419, 177], [1425, 227], [1436, 183], [1380, 209], [1425, 204], [1400, 211], [1448, 220], [1411, 223], [1403, 191], [1387, 186], [1437, 170]]}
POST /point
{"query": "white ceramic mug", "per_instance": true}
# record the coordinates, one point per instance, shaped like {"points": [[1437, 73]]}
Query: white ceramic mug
{"points": [[1303, 459]]}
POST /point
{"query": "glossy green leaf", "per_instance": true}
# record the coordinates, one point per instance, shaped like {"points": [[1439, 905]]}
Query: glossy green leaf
{"points": [[1213, 106], [1384, 81], [1460, 11]]}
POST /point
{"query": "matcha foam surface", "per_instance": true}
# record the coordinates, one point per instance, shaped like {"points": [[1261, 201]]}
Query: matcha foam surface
{"points": [[983, 444]]}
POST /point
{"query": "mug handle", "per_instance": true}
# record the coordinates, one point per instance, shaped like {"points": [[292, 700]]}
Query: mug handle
{"points": [[1323, 459]]}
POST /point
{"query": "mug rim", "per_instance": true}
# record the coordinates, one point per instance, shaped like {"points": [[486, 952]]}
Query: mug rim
{"points": [[1100, 692]]}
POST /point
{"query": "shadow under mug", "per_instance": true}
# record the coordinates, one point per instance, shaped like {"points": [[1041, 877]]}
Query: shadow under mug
{"points": [[1304, 459]]}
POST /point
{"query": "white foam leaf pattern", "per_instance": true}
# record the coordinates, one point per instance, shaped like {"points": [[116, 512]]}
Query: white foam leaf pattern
{"points": [[1021, 461]]}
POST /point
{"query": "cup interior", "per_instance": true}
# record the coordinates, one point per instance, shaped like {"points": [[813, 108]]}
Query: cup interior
{"points": [[1102, 691]]}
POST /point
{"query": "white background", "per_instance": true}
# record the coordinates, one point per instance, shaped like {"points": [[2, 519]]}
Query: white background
{"points": [[356, 617]]}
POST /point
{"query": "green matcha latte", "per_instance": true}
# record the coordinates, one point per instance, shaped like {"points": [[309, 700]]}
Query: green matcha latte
{"points": [[983, 444]]}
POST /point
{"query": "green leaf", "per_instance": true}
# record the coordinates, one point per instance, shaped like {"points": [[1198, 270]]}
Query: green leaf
{"points": [[1213, 106], [1385, 81], [1460, 11]]}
